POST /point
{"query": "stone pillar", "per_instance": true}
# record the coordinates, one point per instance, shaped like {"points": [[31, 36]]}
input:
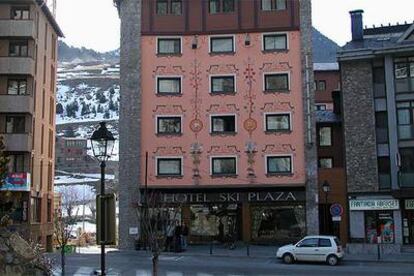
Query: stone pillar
{"points": [[129, 120], [312, 216]]}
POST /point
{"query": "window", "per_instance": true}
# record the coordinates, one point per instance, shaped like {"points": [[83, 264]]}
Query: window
{"points": [[168, 85], [20, 13], [279, 164], [320, 107], [326, 163], [222, 44], [276, 82], [381, 127], [325, 243], [405, 118], [176, 7], [162, 7], [169, 166], [271, 5], [404, 74], [407, 167], [222, 84], [379, 224], [325, 136], [277, 122], [321, 85], [169, 46], [18, 49], [17, 87], [223, 166], [223, 124], [384, 172], [49, 210], [16, 163], [15, 124], [36, 209], [313, 242], [217, 6], [274, 42], [168, 125]]}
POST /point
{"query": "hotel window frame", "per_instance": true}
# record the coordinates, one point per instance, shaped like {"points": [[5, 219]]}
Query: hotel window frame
{"points": [[327, 143], [223, 157], [272, 74], [159, 159], [408, 76], [24, 12], [222, 76], [16, 128], [405, 106], [273, 5], [171, 38], [278, 156], [160, 117], [330, 166], [277, 114], [212, 129], [222, 37], [321, 85], [277, 34], [157, 7], [22, 47], [168, 77], [19, 86], [221, 6], [17, 163], [168, 8]]}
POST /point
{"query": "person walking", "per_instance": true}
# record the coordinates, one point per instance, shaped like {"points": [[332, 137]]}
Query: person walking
{"points": [[184, 236], [177, 237], [170, 236]]}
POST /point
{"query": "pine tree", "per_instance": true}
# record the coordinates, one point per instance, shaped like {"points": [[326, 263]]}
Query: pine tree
{"points": [[59, 108], [107, 115], [4, 161]]}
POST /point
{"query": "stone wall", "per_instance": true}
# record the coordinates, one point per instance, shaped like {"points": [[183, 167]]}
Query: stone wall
{"points": [[359, 126], [17, 257]]}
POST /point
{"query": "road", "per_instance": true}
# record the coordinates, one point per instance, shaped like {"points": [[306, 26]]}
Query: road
{"points": [[140, 265]]}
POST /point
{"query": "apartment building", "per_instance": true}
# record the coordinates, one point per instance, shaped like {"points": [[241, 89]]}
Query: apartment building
{"points": [[218, 95], [377, 77], [28, 62]]}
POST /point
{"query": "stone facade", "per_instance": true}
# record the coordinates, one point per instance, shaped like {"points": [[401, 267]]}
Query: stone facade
{"points": [[129, 121], [359, 127]]}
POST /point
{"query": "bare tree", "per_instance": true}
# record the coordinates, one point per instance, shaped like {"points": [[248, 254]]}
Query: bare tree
{"points": [[65, 221], [157, 221]]}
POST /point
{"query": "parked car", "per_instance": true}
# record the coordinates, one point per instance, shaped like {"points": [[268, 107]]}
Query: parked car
{"points": [[312, 248]]}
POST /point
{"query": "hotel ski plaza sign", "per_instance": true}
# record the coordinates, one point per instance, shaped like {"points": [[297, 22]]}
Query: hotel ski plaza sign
{"points": [[18, 182], [373, 204], [233, 197]]}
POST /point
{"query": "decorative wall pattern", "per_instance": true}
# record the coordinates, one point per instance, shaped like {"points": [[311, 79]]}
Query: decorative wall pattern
{"points": [[168, 109]]}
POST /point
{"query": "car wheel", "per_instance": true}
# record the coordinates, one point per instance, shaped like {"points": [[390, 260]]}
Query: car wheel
{"points": [[287, 258], [332, 260]]}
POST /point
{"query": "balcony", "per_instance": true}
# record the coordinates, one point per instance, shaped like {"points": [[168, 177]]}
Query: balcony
{"points": [[406, 180], [17, 28], [17, 65], [16, 104], [18, 142]]}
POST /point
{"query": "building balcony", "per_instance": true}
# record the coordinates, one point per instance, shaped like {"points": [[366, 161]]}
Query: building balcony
{"points": [[16, 104], [17, 28], [18, 142], [17, 66]]}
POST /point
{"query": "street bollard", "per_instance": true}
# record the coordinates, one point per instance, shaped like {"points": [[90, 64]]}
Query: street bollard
{"points": [[248, 250], [211, 248]]}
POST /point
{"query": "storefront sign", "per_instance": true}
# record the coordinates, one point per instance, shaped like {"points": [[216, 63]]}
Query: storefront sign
{"points": [[409, 204], [233, 197], [373, 204], [17, 182]]}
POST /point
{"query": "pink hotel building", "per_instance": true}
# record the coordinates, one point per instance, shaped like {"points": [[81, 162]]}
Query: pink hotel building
{"points": [[219, 94]]}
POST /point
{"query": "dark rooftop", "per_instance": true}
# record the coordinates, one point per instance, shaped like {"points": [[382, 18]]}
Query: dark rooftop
{"points": [[390, 29]]}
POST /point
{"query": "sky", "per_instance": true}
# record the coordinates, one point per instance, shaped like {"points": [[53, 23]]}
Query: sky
{"points": [[95, 23]]}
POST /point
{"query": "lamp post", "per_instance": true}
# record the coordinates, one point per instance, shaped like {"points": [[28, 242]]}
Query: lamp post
{"points": [[102, 142], [326, 187]]}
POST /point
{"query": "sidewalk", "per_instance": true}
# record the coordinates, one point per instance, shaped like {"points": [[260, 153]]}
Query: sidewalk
{"points": [[260, 251]]}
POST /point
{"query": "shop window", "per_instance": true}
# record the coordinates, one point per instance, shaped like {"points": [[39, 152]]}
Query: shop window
{"points": [[404, 74], [282, 224], [379, 224], [169, 166], [169, 125], [218, 6], [17, 87], [15, 124], [222, 44], [325, 136], [326, 163], [273, 42], [273, 5], [277, 122], [168, 85], [18, 49], [222, 84], [276, 82], [279, 164], [20, 13], [223, 166], [169, 45], [223, 124]]}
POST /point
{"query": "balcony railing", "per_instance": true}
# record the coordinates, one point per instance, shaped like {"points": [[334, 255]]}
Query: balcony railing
{"points": [[406, 180], [16, 104], [17, 28], [17, 65], [18, 141]]}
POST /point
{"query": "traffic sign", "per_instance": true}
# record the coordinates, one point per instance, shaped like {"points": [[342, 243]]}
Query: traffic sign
{"points": [[336, 210]]}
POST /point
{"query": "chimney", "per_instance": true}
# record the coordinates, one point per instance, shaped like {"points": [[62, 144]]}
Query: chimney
{"points": [[357, 26]]}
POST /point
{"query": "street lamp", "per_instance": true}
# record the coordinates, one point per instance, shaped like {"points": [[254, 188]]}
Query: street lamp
{"points": [[102, 142], [326, 187]]}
